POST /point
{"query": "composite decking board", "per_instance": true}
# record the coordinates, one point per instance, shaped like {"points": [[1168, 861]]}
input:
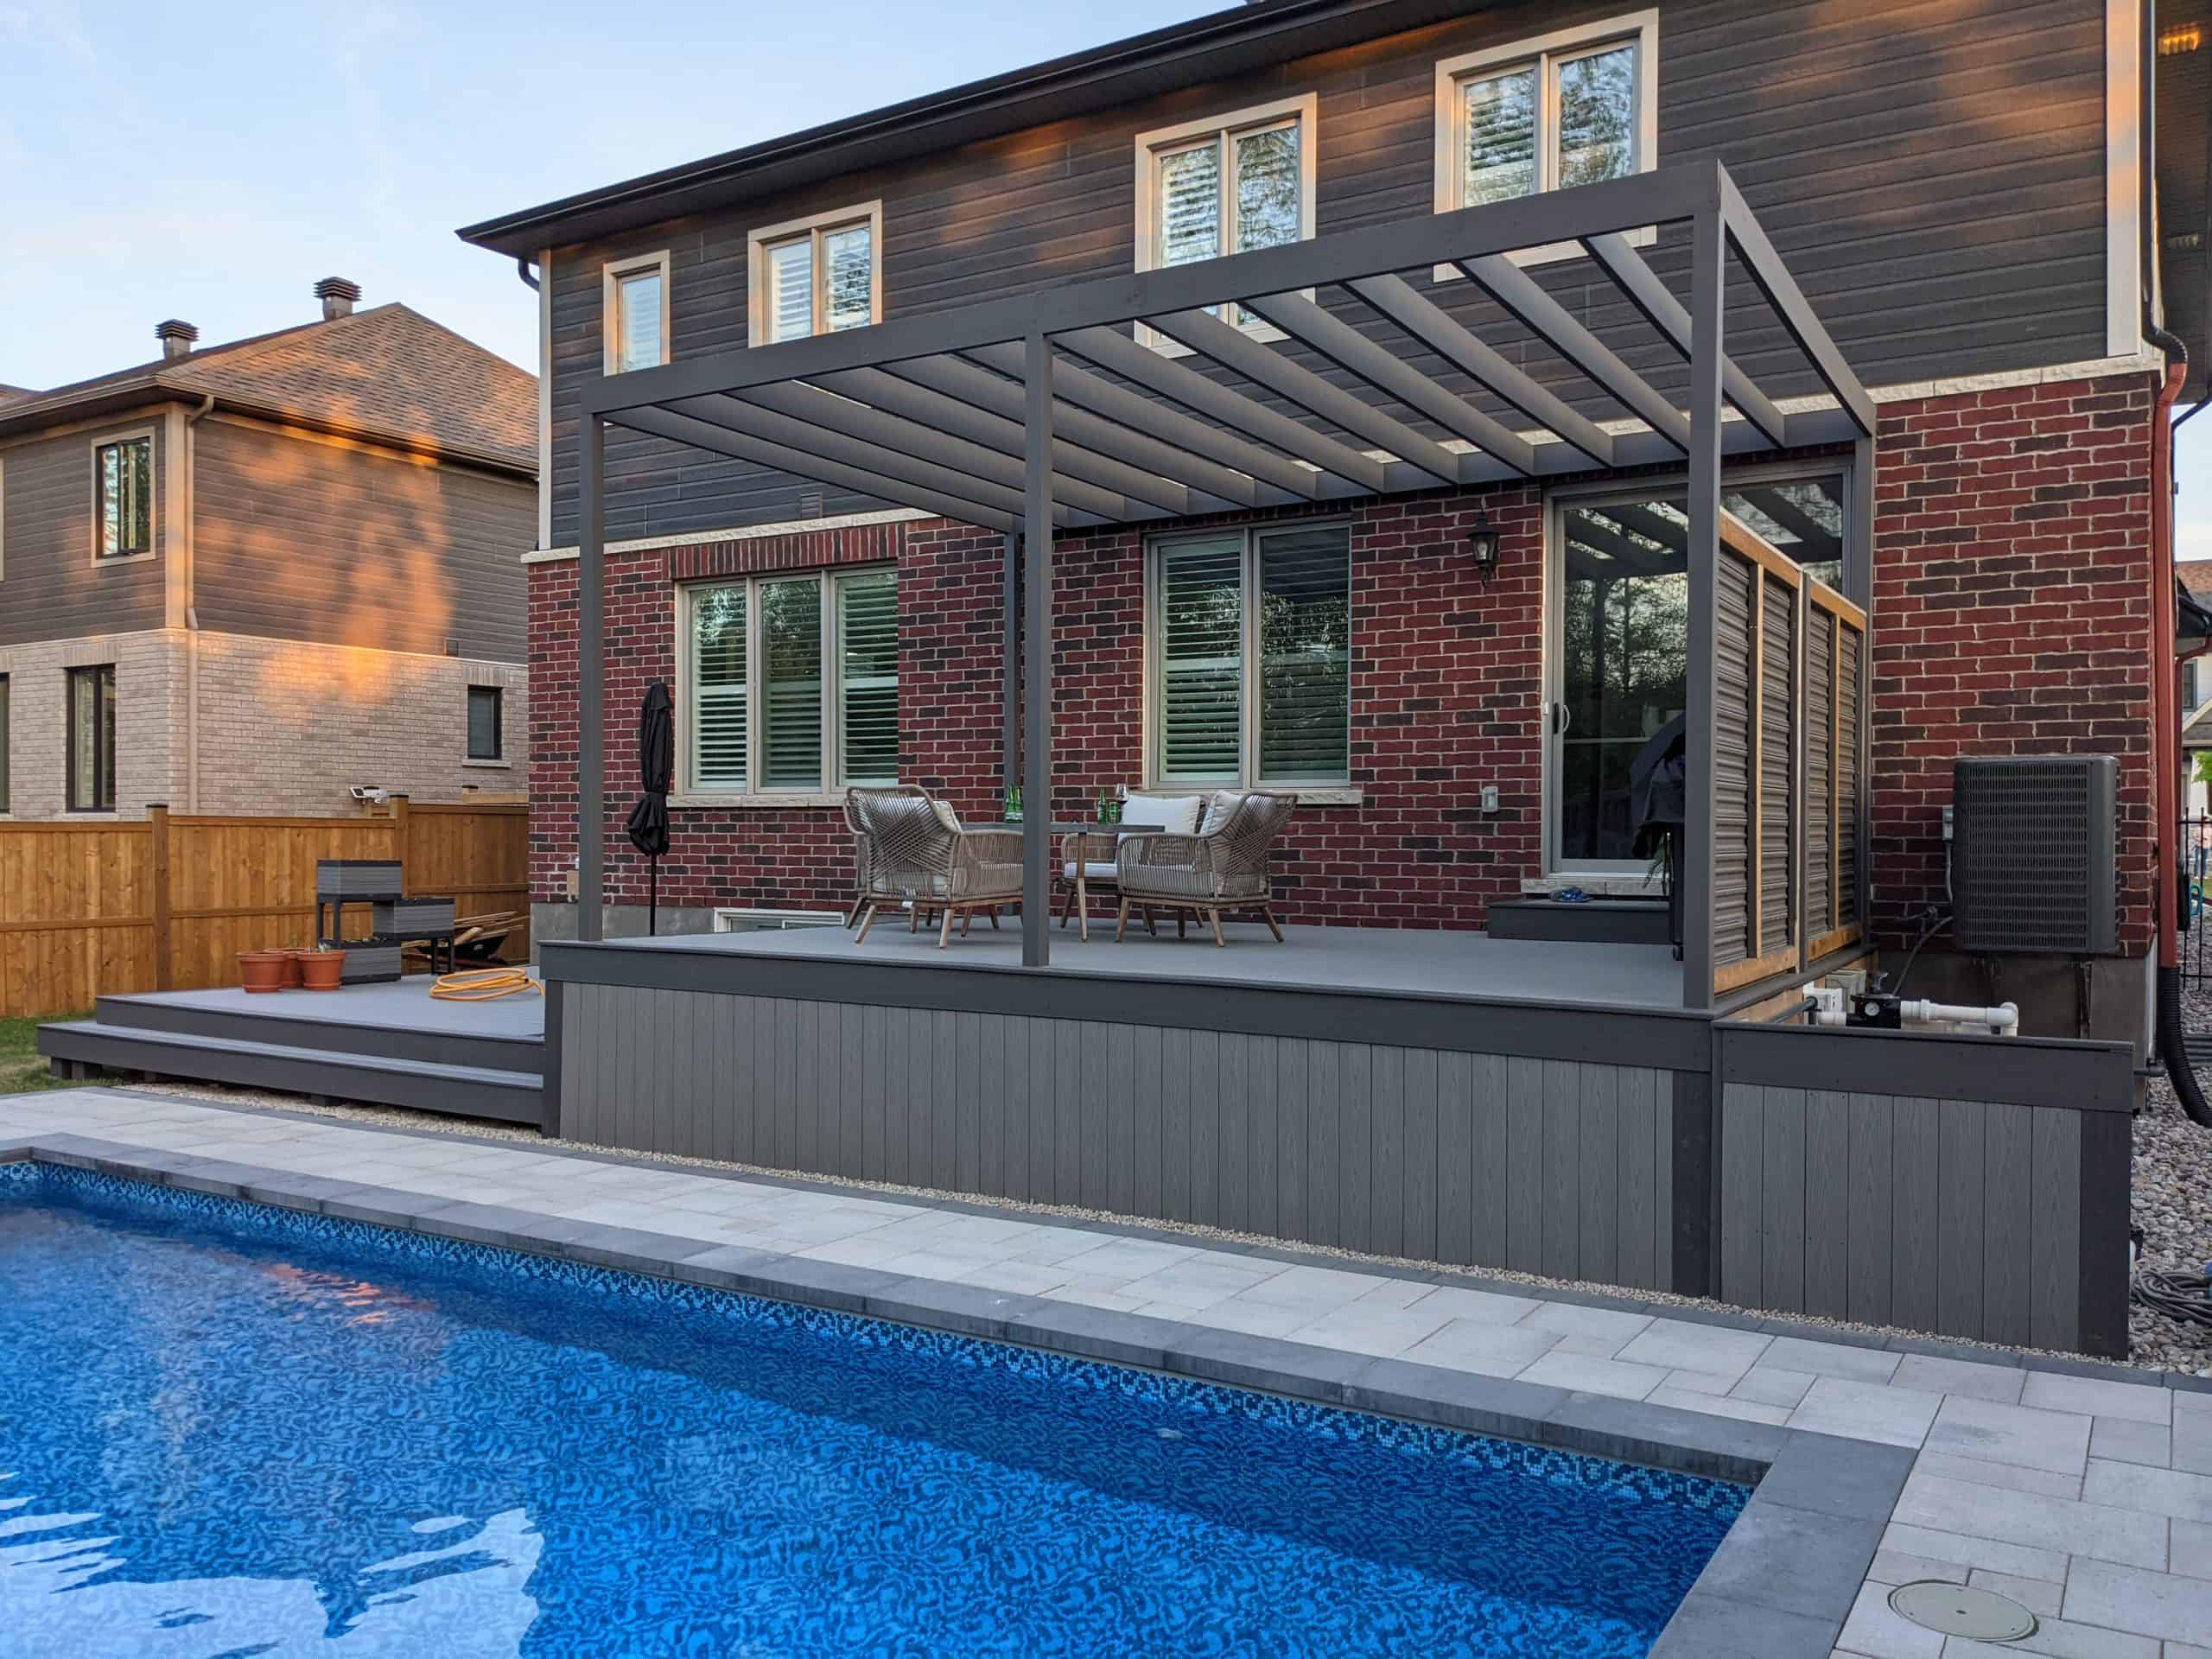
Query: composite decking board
{"points": [[1423, 1149], [1233, 1167], [2008, 1224], [1636, 1245], [1782, 1213], [2055, 1255], [1962, 1171], [1872, 1184], [1356, 1079], [1524, 1152], [1827, 1203], [1695, 1201], [1743, 1167], [1386, 1196]]}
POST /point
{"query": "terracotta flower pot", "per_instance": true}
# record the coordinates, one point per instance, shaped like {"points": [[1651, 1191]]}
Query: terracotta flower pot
{"points": [[262, 970], [321, 969], [292, 977]]}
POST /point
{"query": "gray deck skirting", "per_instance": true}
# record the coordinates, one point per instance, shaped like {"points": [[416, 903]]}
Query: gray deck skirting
{"points": [[1780, 1587], [1671, 1040], [2078, 1076]]}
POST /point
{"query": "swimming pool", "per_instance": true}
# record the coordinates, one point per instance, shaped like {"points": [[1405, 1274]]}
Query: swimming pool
{"points": [[229, 1429]]}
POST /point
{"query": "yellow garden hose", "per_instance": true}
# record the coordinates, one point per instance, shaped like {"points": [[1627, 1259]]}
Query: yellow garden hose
{"points": [[484, 984]]}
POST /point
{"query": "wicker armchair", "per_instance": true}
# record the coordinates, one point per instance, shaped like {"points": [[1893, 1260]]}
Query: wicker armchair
{"points": [[919, 856], [863, 847], [1224, 868]]}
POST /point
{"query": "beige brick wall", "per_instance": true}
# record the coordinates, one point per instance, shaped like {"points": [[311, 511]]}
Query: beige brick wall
{"points": [[284, 727]]}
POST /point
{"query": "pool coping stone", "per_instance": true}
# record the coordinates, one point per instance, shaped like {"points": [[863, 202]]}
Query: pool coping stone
{"points": [[1779, 1586]]}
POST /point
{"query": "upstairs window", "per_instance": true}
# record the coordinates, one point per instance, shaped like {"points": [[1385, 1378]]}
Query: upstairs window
{"points": [[817, 276], [1575, 107], [91, 739], [123, 488], [635, 322], [790, 683], [1226, 184]]}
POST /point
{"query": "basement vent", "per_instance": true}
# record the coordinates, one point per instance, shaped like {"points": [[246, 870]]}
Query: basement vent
{"points": [[2031, 858]]}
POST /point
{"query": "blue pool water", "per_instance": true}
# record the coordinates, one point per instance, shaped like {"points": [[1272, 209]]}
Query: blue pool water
{"points": [[227, 1430]]}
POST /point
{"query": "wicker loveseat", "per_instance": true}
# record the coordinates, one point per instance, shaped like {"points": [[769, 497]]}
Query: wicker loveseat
{"points": [[917, 854], [1224, 867]]}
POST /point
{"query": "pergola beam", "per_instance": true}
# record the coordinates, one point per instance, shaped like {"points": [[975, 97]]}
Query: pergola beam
{"points": [[1356, 354], [1644, 291], [1450, 340], [1518, 292], [1188, 387], [715, 440], [1788, 302], [998, 431], [1229, 464], [1239, 353], [1810, 532]]}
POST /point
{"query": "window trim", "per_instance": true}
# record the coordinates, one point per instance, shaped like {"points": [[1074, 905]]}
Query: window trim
{"points": [[829, 792], [103, 745], [7, 743], [101, 440], [1343, 789], [1599, 492], [813, 226], [611, 275], [1545, 52], [499, 755], [1305, 111]]}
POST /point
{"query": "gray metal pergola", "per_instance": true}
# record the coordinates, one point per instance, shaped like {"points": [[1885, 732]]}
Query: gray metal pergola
{"points": [[1041, 412]]}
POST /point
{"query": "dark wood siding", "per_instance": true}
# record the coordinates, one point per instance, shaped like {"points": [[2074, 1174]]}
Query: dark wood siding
{"points": [[299, 539], [1932, 170], [50, 589]]}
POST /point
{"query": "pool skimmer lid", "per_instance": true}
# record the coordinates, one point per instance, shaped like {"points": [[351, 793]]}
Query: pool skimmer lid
{"points": [[1963, 1610]]}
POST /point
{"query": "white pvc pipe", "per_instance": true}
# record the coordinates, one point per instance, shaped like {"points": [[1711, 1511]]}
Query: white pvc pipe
{"points": [[2003, 1021]]}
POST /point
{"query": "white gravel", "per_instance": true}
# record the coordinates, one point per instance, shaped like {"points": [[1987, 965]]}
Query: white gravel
{"points": [[2160, 1345]]}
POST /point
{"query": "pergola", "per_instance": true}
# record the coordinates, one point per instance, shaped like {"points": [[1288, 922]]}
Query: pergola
{"points": [[1044, 412]]}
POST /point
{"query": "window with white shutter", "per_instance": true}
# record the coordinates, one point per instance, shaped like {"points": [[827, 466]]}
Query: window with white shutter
{"points": [[817, 276], [1225, 184], [1249, 636], [790, 683], [634, 313], [1578, 107]]}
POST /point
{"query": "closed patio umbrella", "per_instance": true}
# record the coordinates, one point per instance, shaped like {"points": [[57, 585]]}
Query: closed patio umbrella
{"points": [[648, 824]]}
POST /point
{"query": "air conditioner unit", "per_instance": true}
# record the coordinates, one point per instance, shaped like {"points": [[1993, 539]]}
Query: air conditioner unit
{"points": [[2032, 846]]}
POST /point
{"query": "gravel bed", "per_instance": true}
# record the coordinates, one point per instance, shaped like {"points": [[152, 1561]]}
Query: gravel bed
{"points": [[2173, 1206], [2165, 1347]]}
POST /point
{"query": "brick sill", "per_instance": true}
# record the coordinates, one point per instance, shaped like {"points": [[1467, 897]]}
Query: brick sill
{"points": [[757, 803]]}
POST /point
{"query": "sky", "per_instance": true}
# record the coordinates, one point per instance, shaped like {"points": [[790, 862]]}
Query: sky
{"points": [[211, 162]]}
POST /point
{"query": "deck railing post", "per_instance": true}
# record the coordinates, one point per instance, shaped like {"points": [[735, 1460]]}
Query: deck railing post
{"points": [[591, 678], [1708, 292], [1037, 551]]}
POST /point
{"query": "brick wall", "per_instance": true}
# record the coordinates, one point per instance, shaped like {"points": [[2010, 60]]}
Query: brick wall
{"points": [[149, 720], [2011, 616], [2012, 613]]}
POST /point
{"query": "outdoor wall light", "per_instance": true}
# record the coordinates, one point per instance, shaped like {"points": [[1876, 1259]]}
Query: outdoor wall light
{"points": [[1482, 546]]}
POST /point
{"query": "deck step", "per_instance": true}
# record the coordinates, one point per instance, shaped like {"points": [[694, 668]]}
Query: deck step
{"points": [[277, 1020], [469, 1090]]}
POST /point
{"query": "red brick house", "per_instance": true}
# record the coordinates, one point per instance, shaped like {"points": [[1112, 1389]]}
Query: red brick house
{"points": [[1976, 233]]}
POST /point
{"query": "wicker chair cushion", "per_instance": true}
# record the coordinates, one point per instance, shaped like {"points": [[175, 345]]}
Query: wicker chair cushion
{"points": [[1093, 870], [1176, 814], [1220, 806], [945, 815]]}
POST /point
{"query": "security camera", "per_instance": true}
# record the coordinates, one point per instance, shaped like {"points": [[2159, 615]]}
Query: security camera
{"points": [[372, 793]]}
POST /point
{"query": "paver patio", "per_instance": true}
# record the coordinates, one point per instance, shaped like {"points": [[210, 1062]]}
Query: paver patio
{"points": [[2079, 1492]]}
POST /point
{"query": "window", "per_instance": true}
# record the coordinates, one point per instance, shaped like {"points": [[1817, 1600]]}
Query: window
{"points": [[1250, 649], [1227, 184], [4, 807], [817, 276], [1621, 639], [634, 321], [91, 739], [792, 683], [484, 713], [1576, 107], [122, 491]]}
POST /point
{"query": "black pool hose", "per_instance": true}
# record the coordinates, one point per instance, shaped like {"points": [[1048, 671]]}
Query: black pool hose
{"points": [[2178, 1069]]}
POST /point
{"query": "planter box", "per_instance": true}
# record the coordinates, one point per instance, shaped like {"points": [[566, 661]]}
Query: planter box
{"points": [[413, 919], [356, 880], [371, 960]]}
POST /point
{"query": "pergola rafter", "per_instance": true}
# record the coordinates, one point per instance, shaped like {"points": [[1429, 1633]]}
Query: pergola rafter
{"points": [[1041, 412]]}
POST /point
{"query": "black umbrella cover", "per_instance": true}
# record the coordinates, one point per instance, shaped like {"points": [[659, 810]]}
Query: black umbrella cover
{"points": [[648, 824]]}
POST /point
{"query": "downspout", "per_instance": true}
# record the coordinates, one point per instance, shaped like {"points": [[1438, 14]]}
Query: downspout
{"points": [[2166, 729], [192, 610]]}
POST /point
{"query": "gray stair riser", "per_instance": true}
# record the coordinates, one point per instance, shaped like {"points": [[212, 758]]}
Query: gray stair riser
{"points": [[337, 1075], [430, 1047]]}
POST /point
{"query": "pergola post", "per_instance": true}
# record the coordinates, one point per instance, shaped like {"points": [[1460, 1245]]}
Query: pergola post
{"points": [[1708, 294], [1010, 664], [591, 678], [1037, 552]]}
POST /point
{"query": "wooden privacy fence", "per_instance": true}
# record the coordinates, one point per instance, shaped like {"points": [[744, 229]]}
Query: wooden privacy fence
{"points": [[1789, 660], [165, 904]]}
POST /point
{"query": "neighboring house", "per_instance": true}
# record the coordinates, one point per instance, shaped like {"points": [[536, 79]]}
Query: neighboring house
{"points": [[2195, 575], [251, 578], [1964, 189]]}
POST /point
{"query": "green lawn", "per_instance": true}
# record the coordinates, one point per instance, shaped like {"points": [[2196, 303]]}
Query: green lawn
{"points": [[22, 1067]]}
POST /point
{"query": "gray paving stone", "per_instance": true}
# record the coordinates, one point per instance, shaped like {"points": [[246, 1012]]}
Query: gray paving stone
{"points": [[1629, 1430], [1894, 1566], [1771, 1387], [2097, 1396], [2188, 1552], [1874, 1630], [1961, 1377], [1793, 1560], [1481, 1345], [2039, 1596], [2121, 1440], [2130, 1598], [1680, 1346], [1100, 1333], [2055, 1638], [1714, 1627], [1831, 1475], [1936, 1544], [1487, 1405], [2060, 1524], [1995, 1432], [1866, 1411], [2192, 1437], [2005, 1477], [2155, 1491], [970, 1310], [1832, 1359]]}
